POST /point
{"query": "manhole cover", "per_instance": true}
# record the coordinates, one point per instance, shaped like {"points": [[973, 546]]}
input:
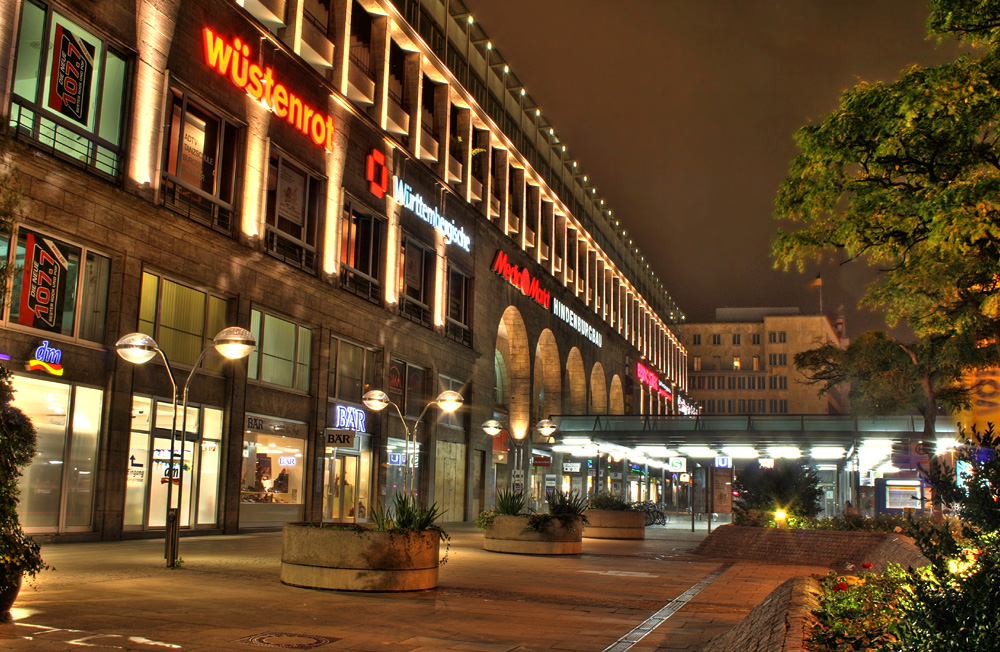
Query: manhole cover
{"points": [[287, 641]]}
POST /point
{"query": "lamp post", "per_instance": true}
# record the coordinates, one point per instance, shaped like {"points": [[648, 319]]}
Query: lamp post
{"points": [[233, 343], [494, 427], [376, 399]]}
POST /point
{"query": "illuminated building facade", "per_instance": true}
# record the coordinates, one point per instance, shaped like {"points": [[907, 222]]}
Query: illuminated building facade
{"points": [[367, 188], [744, 362]]}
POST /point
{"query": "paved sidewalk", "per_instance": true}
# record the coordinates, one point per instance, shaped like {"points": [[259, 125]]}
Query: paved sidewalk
{"points": [[119, 596]]}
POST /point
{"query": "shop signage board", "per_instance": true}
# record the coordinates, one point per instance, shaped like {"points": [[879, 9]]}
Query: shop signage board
{"points": [[677, 464], [723, 462], [649, 378], [46, 359], [272, 426], [287, 461], [42, 283], [571, 467], [236, 62], [541, 460], [576, 322], [414, 202], [340, 438], [517, 480], [521, 278], [766, 462], [348, 417]]}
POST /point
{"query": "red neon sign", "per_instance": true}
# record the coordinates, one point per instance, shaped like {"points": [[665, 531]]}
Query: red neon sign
{"points": [[233, 61], [377, 174], [521, 279], [648, 377]]}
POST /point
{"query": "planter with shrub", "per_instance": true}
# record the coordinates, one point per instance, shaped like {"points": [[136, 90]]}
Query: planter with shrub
{"points": [[399, 551], [510, 528], [610, 517]]}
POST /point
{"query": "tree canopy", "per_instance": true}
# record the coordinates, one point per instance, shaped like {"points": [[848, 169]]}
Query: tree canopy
{"points": [[906, 176]]}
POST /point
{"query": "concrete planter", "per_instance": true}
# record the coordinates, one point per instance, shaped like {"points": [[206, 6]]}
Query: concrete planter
{"points": [[348, 560], [507, 535], [611, 524]]}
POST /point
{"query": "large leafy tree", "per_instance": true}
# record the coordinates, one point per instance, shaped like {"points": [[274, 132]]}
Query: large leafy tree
{"points": [[887, 376], [906, 176], [789, 485]]}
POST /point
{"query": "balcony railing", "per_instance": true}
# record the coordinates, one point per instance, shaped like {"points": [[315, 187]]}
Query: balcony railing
{"points": [[289, 250], [458, 332], [414, 311], [64, 139], [360, 284], [197, 204]]}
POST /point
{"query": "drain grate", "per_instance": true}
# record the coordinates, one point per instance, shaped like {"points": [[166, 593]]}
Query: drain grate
{"points": [[287, 641]]}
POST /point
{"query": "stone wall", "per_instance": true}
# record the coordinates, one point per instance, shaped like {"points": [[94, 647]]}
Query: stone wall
{"points": [[778, 624], [835, 549]]}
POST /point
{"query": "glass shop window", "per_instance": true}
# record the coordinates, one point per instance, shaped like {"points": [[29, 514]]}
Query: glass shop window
{"points": [[48, 291], [362, 253], [181, 319], [283, 351], [354, 371], [69, 90]]}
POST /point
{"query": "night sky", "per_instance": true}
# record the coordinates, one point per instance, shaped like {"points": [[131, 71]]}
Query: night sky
{"points": [[683, 115]]}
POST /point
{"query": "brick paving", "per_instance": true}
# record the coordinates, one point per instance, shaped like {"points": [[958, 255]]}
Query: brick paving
{"points": [[118, 596]]}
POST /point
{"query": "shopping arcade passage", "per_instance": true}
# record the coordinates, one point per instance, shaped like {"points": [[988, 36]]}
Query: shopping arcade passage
{"points": [[737, 431]]}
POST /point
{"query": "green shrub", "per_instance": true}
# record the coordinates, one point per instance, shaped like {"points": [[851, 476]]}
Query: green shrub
{"points": [[859, 613], [568, 509], [610, 502], [508, 503]]}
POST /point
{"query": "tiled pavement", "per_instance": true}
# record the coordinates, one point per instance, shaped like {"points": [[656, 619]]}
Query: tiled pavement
{"points": [[118, 596]]}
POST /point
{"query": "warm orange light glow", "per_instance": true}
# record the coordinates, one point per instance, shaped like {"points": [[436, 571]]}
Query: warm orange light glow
{"points": [[234, 62]]}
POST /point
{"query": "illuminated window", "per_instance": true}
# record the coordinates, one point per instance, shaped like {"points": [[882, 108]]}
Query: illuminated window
{"points": [[295, 201], [200, 167], [756, 363], [69, 90], [416, 282], [181, 319], [48, 291], [737, 363], [282, 353], [696, 363], [352, 370], [362, 246]]}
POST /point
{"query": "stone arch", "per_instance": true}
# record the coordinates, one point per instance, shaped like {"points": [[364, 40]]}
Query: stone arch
{"points": [[576, 384], [512, 345], [547, 395], [616, 399], [598, 390]]}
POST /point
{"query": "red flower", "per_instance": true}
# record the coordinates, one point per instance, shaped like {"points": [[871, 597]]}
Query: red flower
{"points": [[867, 566], [841, 586]]}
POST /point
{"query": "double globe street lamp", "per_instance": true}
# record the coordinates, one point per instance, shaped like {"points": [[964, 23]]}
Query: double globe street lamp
{"points": [[377, 400], [233, 343], [494, 427]]}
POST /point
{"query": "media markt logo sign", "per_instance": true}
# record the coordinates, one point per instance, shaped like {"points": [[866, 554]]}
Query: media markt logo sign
{"points": [[521, 278]]}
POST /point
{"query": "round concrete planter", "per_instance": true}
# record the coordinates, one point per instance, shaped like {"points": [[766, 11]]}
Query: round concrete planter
{"points": [[349, 560], [507, 535], [610, 524]]}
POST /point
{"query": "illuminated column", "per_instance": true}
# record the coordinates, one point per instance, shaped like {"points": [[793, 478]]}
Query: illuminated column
{"points": [[341, 26], [413, 87], [293, 25], [440, 281], [335, 163], [156, 23], [533, 220], [392, 247], [255, 180], [464, 124], [442, 125], [380, 66], [483, 142], [547, 234], [561, 235], [501, 176]]}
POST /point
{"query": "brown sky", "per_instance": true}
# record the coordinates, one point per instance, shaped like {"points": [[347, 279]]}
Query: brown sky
{"points": [[683, 114]]}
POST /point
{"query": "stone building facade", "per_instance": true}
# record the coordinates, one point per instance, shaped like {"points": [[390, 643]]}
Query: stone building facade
{"points": [[364, 186], [744, 362]]}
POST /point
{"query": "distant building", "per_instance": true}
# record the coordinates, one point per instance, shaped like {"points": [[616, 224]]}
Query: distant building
{"points": [[743, 363]]}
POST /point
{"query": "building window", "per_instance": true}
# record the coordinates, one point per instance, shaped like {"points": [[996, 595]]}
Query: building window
{"points": [[696, 339], [283, 351], [777, 337], [778, 406], [711, 382], [741, 382], [181, 319], [717, 339], [696, 362], [777, 359], [407, 387], [755, 339], [352, 372], [454, 419], [459, 321], [362, 249], [737, 339], [416, 282], [756, 363], [737, 363], [48, 291], [199, 180], [732, 382], [760, 382], [69, 90], [295, 201]]}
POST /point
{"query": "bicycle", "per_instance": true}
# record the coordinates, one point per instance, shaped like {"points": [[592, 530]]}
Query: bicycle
{"points": [[653, 513]]}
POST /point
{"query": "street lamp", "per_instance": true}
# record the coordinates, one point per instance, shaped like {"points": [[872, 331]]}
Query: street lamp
{"points": [[233, 343], [494, 427], [376, 399]]}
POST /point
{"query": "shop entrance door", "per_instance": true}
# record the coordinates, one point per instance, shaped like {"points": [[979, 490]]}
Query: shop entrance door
{"points": [[340, 482]]}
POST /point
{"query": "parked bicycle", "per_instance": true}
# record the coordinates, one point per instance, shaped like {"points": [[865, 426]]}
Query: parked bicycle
{"points": [[655, 514]]}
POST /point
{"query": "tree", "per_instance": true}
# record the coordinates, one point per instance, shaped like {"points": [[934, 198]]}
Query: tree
{"points": [[887, 376], [906, 176], [790, 485]]}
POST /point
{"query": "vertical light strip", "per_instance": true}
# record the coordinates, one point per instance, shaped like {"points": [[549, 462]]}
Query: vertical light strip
{"points": [[334, 205], [254, 186], [440, 280], [392, 241], [156, 30]]}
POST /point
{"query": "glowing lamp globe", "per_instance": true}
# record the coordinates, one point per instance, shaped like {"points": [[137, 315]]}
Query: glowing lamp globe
{"points": [[449, 400], [375, 399], [546, 427], [137, 348], [492, 427], [235, 342]]}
